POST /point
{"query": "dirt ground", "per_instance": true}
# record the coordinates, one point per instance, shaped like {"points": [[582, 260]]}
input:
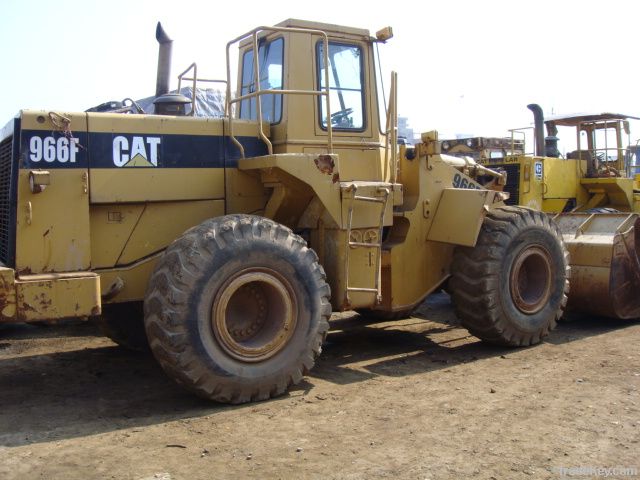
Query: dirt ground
{"points": [[415, 399]]}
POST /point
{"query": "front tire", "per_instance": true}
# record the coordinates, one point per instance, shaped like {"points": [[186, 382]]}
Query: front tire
{"points": [[511, 288], [237, 309]]}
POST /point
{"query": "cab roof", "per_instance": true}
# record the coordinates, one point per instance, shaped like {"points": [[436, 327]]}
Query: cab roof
{"points": [[325, 27], [573, 120]]}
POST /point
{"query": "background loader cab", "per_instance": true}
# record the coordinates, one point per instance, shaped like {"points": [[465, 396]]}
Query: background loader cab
{"points": [[603, 155], [596, 173]]}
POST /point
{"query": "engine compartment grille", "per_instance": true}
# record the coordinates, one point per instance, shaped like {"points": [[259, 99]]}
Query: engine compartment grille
{"points": [[7, 203], [513, 182]]}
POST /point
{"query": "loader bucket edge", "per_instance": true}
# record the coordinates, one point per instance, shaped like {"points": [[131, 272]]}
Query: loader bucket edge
{"points": [[605, 263]]}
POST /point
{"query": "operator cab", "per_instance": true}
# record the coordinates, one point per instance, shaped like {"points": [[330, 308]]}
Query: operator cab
{"points": [[603, 141], [312, 99]]}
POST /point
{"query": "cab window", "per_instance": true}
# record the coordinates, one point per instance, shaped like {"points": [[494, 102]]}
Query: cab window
{"points": [[270, 55], [346, 86]]}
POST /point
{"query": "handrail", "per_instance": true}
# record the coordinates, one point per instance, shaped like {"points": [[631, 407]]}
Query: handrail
{"points": [[259, 92], [633, 168], [520, 131], [393, 98], [195, 79], [391, 131], [193, 67]]}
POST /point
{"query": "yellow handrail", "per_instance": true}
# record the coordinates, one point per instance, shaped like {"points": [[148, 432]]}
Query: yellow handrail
{"points": [[195, 79], [259, 92]]}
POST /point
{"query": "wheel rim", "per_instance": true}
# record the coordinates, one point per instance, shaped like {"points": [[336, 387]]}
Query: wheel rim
{"points": [[530, 280], [254, 315]]}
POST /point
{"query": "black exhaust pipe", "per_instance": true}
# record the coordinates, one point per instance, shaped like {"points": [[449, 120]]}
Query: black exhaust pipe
{"points": [[538, 118], [164, 61]]}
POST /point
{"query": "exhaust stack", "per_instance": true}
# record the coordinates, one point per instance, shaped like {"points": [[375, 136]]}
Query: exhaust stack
{"points": [[538, 118], [164, 61]]}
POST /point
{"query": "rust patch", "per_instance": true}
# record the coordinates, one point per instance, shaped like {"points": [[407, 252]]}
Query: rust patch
{"points": [[336, 178], [325, 164], [27, 308], [45, 302], [4, 298]]}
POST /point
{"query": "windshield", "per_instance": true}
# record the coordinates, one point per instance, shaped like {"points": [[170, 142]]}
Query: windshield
{"points": [[345, 86]]}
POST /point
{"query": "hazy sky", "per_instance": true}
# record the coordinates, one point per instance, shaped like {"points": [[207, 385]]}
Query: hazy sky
{"points": [[464, 66]]}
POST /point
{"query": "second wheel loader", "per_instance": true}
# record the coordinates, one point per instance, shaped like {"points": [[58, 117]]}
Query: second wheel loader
{"points": [[597, 182]]}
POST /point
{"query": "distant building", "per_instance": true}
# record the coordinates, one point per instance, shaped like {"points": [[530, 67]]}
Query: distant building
{"points": [[404, 131]]}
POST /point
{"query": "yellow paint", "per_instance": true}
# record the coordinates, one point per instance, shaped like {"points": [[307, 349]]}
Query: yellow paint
{"points": [[153, 124], [619, 191], [53, 226], [367, 214], [550, 205], [300, 173], [415, 265], [245, 192], [460, 226], [54, 296], [113, 185], [560, 178], [111, 227], [40, 120], [135, 278], [361, 272], [7, 295], [161, 223], [122, 234]]}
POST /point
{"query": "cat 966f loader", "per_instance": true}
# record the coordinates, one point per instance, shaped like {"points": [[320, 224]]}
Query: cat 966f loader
{"points": [[236, 237]]}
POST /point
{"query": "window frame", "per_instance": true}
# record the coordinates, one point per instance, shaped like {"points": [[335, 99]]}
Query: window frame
{"points": [[321, 99], [282, 87]]}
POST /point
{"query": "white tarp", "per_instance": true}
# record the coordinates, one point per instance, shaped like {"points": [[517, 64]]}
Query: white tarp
{"points": [[209, 101]]}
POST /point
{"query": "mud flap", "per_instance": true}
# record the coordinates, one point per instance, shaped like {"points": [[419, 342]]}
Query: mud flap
{"points": [[605, 265]]}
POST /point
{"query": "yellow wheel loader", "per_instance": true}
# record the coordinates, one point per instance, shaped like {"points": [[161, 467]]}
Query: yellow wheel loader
{"points": [[226, 243], [597, 182]]}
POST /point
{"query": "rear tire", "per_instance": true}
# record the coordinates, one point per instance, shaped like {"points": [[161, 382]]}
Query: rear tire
{"points": [[237, 309], [511, 288]]}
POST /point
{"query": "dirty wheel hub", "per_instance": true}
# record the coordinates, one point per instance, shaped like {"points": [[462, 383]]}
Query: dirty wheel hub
{"points": [[254, 314], [530, 280]]}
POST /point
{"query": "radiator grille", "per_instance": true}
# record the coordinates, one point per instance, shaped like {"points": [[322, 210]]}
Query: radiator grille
{"points": [[7, 203], [513, 182]]}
